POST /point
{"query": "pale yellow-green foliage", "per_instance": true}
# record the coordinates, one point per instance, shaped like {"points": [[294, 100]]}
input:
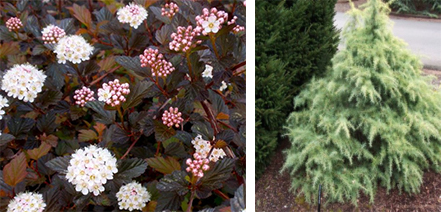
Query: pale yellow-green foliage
{"points": [[373, 120]]}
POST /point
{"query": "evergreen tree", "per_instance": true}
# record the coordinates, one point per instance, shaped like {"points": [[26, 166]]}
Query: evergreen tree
{"points": [[373, 120], [295, 40]]}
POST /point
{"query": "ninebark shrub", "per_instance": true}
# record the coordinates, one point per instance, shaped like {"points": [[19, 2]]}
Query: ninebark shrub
{"points": [[122, 105]]}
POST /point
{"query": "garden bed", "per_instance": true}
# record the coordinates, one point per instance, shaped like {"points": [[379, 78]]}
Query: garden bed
{"points": [[273, 193]]}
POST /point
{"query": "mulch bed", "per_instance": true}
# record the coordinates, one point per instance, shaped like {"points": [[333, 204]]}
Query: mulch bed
{"points": [[273, 189]]}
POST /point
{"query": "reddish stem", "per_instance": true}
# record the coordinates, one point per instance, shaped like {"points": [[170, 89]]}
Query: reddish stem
{"points": [[227, 125], [210, 116], [157, 148], [104, 75], [221, 194], [131, 146]]}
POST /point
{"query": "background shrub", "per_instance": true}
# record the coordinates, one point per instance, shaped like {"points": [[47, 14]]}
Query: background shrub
{"points": [[431, 8], [295, 40], [39, 137], [373, 120]]}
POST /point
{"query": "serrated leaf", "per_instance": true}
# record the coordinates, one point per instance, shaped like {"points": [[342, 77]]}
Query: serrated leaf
{"points": [[50, 97], [162, 35], [9, 48], [32, 26], [56, 72], [164, 165], [18, 126], [137, 93], [59, 164], [118, 135], [138, 41], [217, 175], [6, 138], [202, 128], [175, 149], [100, 127], [218, 103], [51, 199], [118, 41], [169, 201], [68, 25], [40, 151], [82, 14], [131, 168], [5, 34], [103, 14], [21, 4], [133, 64], [87, 135], [46, 123], [15, 171], [174, 182], [50, 139], [184, 137], [195, 91], [163, 132], [103, 116]]}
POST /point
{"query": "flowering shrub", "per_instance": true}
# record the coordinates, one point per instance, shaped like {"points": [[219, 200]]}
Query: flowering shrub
{"points": [[109, 105]]}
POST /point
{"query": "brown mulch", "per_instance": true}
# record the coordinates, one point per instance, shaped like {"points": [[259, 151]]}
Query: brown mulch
{"points": [[344, 7], [273, 190]]}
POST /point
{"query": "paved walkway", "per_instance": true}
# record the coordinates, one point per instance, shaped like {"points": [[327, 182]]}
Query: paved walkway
{"points": [[424, 38]]}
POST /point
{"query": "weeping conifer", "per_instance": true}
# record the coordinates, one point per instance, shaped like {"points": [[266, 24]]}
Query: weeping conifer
{"points": [[373, 120]]}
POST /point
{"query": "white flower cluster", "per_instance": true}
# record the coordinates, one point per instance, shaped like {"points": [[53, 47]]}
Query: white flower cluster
{"points": [[73, 48], [113, 93], [3, 103], [132, 196], [132, 14], [203, 147], [23, 82], [208, 72], [52, 34], [90, 168], [27, 202]]}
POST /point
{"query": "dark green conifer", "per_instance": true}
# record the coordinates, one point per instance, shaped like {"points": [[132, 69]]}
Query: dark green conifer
{"points": [[295, 40]]}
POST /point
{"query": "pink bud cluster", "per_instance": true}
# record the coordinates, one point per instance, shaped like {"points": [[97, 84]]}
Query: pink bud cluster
{"points": [[13, 24], [83, 95], [238, 29], [183, 39], [153, 59], [113, 93], [220, 16], [51, 34], [198, 165], [170, 10], [232, 21], [172, 117]]}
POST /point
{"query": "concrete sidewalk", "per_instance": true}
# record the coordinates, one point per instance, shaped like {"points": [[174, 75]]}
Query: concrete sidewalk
{"points": [[424, 38]]}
